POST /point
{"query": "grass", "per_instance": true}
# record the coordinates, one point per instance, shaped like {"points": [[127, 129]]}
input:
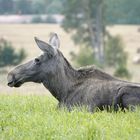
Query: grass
{"points": [[37, 118]]}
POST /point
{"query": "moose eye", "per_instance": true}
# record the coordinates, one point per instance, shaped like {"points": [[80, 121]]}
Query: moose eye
{"points": [[37, 61]]}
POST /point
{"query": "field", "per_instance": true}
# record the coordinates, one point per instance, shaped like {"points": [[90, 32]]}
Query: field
{"points": [[37, 118], [28, 113]]}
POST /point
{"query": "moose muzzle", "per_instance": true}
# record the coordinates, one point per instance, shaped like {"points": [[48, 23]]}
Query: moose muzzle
{"points": [[12, 82]]}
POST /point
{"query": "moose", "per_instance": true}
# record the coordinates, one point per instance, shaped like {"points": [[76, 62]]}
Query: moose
{"points": [[87, 86]]}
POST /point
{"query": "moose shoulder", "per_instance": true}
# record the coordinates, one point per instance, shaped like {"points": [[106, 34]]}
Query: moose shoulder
{"points": [[86, 86]]}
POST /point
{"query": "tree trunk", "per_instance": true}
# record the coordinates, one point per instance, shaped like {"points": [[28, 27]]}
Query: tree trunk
{"points": [[90, 24], [96, 29], [99, 34]]}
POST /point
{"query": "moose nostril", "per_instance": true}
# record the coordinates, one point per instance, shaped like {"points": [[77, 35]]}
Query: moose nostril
{"points": [[10, 79], [9, 83]]}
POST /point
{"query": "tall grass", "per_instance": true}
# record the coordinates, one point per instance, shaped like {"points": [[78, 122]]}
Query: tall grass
{"points": [[37, 118]]}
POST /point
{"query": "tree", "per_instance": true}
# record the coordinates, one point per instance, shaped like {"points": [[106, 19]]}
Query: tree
{"points": [[54, 6], [39, 7], [6, 6], [8, 56], [116, 57], [84, 57], [85, 18], [122, 12], [114, 52], [24, 6]]}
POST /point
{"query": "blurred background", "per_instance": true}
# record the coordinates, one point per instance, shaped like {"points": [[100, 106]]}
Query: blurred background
{"points": [[105, 33]]}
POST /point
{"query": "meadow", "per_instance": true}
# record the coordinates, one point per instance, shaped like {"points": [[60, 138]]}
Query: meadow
{"points": [[38, 118]]}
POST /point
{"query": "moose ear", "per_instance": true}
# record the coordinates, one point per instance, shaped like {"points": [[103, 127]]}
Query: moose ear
{"points": [[45, 47], [54, 41]]}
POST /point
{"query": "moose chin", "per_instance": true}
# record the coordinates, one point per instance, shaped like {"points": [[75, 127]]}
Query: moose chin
{"points": [[87, 86]]}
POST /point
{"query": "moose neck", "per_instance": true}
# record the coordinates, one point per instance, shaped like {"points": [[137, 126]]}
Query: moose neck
{"points": [[60, 83]]}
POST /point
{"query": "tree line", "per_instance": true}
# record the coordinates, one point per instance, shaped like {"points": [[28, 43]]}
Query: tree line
{"points": [[116, 12], [30, 6]]}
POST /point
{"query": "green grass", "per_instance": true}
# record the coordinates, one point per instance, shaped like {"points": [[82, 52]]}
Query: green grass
{"points": [[37, 118]]}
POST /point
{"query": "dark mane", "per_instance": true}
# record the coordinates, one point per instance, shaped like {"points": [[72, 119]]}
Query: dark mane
{"points": [[93, 72], [86, 72]]}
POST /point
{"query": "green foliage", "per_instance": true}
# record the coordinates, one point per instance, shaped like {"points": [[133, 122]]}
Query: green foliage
{"points": [[37, 19], [50, 19], [39, 6], [116, 57], [81, 17], [118, 12], [31, 6], [122, 12], [54, 6], [8, 56], [114, 52], [24, 7], [76, 19], [6, 6], [84, 57], [85, 18], [122, 72], [37, 118]]}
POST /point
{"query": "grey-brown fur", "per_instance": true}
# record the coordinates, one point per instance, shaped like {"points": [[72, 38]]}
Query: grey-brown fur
{"points": [[86, 86]]}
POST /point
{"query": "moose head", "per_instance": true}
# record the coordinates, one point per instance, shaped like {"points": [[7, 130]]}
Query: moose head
{"points": [[36, 69]]}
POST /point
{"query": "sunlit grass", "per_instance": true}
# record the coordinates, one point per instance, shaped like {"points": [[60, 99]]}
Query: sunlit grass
{"points": [[37, 117]]}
